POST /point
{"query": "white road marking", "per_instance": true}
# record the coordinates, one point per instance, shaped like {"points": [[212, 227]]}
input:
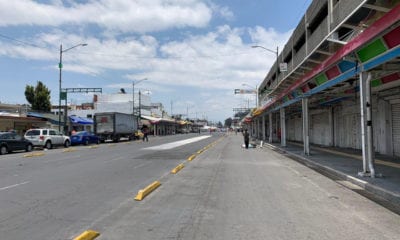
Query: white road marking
{"points": [[177, 144], [12, 186]]}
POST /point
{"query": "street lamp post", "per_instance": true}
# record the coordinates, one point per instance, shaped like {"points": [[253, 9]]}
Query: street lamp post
{"points": [[277, 57], [133, 96], [60, 67], [256, 90]]}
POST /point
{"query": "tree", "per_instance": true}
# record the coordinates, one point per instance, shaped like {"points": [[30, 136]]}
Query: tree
{"points": [[228, 122], [38, 97]]}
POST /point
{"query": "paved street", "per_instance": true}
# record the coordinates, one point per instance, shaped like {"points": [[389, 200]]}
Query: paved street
{"points": [[60, 194], [226, 192], [232, 193]]}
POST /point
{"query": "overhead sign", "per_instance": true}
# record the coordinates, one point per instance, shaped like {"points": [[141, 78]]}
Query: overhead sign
{"points": [[283, 67], [245, 91]]}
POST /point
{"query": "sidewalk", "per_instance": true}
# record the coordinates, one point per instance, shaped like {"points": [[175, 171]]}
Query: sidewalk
{"points": [[344, 164]]}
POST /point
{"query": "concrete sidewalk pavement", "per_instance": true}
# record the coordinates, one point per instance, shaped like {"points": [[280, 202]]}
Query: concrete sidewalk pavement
{"points": [[344, 164]]}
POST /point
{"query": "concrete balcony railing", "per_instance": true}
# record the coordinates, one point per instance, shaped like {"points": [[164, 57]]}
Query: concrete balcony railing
{"points": [[343, 9], [299, 56], [317, 36]]}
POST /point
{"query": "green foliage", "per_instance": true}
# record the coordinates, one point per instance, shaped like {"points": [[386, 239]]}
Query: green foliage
{"points": [[228, 122], [38, 97]]}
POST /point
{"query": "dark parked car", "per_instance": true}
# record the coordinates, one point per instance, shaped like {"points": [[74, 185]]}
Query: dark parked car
{"points": [[10, 141], [84, 138]]}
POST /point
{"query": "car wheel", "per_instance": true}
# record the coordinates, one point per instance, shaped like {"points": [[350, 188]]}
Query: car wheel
{"points": [[3, 150], [29, 148], [86, 142], [48, 145], [98, 141], [67, 144]]}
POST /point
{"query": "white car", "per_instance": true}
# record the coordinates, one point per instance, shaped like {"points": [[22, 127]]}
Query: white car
{"points": [[47, 138]]}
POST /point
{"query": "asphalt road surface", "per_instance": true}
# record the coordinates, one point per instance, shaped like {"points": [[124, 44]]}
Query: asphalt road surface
{"points": [[58, 195], [226, 192]]}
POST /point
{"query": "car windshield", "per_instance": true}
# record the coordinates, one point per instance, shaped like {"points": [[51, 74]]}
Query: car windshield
{"points": [[33, 133], [81, 133]]}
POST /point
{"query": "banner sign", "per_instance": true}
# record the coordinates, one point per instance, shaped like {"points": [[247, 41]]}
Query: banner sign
{"points": [[245, 91]]}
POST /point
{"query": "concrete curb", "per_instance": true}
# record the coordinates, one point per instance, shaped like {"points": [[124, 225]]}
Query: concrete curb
{"points": [[377, 191], [146, 191], [177, 168], [87, 235]]}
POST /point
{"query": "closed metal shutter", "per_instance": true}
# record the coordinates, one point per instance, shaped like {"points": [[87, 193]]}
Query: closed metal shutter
{"points": [[396, 128]]}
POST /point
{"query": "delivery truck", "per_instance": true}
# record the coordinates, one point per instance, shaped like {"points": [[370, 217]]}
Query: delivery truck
{"points": [[114, 126]]}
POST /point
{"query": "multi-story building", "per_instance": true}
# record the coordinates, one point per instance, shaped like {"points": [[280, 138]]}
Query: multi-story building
{"points": [[341, 85]]}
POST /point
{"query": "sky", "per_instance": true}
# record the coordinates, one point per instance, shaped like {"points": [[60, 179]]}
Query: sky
{"points": [[193, 53]]}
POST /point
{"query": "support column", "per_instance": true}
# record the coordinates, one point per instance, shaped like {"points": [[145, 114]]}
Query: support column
{"points": [[366, 125], [270, 128], [283, 127], [263, 128], [306, 137]]}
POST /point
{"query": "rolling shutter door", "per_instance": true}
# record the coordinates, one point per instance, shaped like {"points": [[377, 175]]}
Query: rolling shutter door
{"points": [[396, 128]]}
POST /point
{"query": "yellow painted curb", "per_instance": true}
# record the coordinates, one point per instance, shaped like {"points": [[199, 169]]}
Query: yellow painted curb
{"points": [[200, 151], [93, 147], [146, 191], [177, 169], [34, 154], [88, 235], [69, 150], [191, 157]]}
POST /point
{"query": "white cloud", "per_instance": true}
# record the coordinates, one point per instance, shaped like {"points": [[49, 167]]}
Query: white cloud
{"points": [[114, 15]]}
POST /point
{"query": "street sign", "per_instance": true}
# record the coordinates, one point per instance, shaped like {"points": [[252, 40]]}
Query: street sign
{"points": [[245, 91], [63, 95], [283, 67]]}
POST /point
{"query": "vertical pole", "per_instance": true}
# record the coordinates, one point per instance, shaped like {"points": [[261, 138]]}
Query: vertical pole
{"points": [[257, 100], [362, 77], [140, 108], [59, 96], [283, 127], [133, 105], [263, 128], [277, 64], [270, 127], [306, 139], [370, 141]]}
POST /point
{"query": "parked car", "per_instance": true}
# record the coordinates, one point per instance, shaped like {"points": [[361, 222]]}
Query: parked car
{"points": [[84, 138], [10, 141], [47, 138]]}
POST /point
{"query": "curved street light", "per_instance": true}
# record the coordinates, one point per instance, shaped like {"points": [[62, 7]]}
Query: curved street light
{"points": [[133, 97], [59, 96], [255, 89], [277, 59]]}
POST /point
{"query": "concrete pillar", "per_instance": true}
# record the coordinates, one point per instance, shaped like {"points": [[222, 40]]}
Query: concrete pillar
{"points": [[263, 128], [366, 125], [306, 124], [283, 127], [270, 127]]}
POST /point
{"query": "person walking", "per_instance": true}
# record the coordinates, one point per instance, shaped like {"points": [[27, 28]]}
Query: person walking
{"points": [[246, 137], [145, 131]]}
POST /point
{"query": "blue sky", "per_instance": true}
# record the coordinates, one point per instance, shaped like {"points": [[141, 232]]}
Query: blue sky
{"points": [[194, 53]]}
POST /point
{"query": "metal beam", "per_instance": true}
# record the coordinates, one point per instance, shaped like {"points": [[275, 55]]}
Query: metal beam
{"points": [[377, 8]]}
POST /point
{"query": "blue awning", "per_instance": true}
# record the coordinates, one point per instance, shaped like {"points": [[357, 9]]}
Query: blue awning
{"points": [[80, 120]]}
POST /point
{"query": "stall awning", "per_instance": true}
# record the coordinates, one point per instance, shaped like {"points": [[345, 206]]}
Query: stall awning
{"points": [[155, 120], [80, 120]]}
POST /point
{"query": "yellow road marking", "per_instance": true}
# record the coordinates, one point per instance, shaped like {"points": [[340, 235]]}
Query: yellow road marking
{"points": [[88, 235], [177, 169], [146, 191]]}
